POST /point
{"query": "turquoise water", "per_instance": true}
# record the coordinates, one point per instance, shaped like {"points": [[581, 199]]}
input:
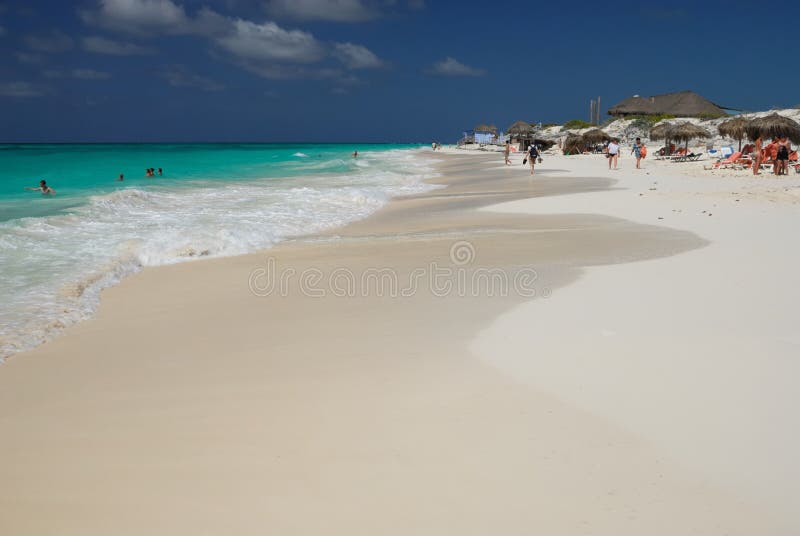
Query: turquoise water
{"points": [[76, 171], [58, 252]]}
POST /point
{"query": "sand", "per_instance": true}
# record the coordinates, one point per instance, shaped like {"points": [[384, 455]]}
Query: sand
{"points": [[200, 400]]}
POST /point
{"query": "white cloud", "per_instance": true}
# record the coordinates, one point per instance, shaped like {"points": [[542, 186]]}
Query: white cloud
{"points": [[138, 15], [101, 45], [20, 89], [181, 76], [265, 49], [356, 56], [332, 10], [55, 41], [270, 42], [452, 67]]}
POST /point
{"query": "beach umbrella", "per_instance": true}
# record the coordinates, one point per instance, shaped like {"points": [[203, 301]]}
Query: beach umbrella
{"points": [[662, 132], [774, 126], [686, 131], [735, 128], [596, 136]]}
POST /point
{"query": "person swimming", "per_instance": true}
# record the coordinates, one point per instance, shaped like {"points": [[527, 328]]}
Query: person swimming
{"points": [[43, 187], [159, 172], [121, 177], [355, 154]]}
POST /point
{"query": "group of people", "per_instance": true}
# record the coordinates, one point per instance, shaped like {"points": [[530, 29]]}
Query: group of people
{"points": [[778, 151], [532, 156], [436, 146], [639, 151], [46, 190]]}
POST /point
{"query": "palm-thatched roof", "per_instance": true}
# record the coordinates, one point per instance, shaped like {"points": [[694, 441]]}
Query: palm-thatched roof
{"points": [[520, 128], [686, 131], [681, 104], [774, 126], [596, 136], [574, 144], [543, 144], [485, 128], [735, 128], [660, 131]]}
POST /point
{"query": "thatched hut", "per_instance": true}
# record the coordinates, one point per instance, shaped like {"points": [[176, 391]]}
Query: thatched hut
{"points": [[521, 132], [735, 128], [574, 144], [681, 104], [774, 126], [520, 128], [484, 133]]}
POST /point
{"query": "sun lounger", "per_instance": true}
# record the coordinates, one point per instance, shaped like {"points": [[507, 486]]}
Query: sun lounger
{"points": [[729, 162]]}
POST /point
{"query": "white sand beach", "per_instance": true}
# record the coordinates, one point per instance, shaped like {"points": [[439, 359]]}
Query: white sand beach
{"points": [[643, 387]]}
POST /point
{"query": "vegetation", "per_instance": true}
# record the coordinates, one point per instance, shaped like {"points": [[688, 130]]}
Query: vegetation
{"points": [[575, 124], [652, 119]]}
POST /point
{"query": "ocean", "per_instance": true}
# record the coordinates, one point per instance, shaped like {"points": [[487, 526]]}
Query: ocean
{"points": [[58, 252]]}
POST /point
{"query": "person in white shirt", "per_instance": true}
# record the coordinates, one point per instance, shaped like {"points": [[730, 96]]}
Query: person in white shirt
{"points": [[612, 153]]}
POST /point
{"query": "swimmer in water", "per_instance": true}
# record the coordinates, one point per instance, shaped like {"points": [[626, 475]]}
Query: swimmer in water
{"points": [[43, 187], [121, 177], [355, 154]]}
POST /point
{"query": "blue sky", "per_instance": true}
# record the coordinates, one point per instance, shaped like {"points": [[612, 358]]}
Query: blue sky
{"points": [[364, 70]]}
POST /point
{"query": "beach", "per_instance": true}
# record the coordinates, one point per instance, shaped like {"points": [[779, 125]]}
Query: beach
{"points": [[584, 351]]}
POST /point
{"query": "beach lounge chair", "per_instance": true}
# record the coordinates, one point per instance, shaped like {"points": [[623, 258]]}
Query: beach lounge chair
{"points": [[726, 152], [731, 161]]}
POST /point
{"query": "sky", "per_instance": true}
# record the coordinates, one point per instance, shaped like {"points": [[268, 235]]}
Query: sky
{"points": [[364, 70]]}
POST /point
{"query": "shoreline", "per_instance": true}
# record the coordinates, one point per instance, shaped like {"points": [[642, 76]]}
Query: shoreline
{"points": [[211, 408]]}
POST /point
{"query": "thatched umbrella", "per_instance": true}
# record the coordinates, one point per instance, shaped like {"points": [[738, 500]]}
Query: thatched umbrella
{"points": [[574, 144], [596, 136], [520, 128], [662, 132], [735, 128], [686, 131], [774, 126]]}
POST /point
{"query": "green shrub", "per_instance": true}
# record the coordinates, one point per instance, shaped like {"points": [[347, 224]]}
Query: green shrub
{"points": [[652, 119], [575, 124]]}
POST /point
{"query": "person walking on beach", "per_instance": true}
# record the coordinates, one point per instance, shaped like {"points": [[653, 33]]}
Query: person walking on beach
{"points": [[612, 152], [533, 154], [637, 151], [43, 187], [507, 153]]}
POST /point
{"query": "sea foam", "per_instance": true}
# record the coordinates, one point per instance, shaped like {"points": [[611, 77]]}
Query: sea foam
{"points": [[56, 266]]}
